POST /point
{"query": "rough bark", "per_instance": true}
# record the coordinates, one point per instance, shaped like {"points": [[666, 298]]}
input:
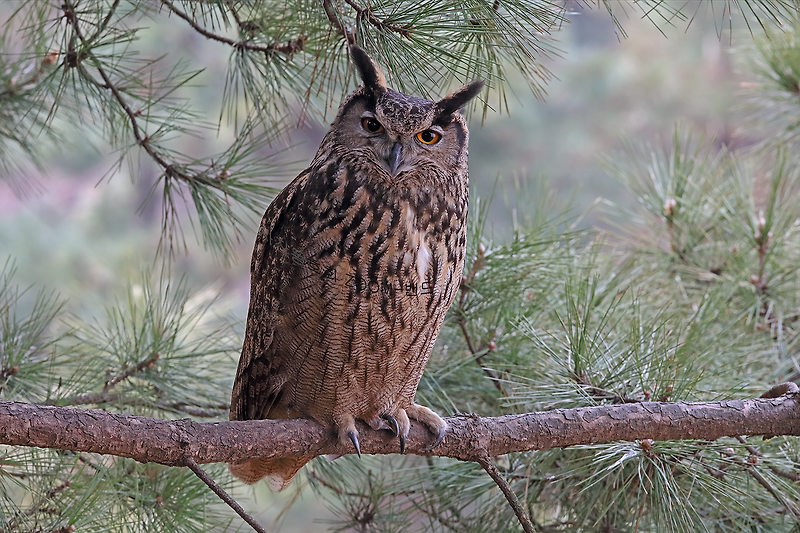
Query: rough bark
{"points": [[469, 437]]}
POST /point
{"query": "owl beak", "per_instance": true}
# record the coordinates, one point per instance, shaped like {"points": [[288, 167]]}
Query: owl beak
{"points": [[395, 158]]}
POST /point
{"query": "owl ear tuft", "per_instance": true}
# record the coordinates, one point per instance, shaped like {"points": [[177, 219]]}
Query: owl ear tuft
{"points": [[458, 99], [370, 72]]}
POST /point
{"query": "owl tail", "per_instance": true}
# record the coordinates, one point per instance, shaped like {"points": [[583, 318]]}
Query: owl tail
{"points": [[279, 472]]}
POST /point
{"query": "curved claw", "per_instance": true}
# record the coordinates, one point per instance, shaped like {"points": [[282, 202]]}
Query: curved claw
{"points": [[439, 439], [392, 422], [395, 428], [353, 436]]}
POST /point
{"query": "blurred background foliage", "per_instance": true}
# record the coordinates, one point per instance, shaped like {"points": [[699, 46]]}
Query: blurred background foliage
{"points": [[604, 86], [634, 236]]}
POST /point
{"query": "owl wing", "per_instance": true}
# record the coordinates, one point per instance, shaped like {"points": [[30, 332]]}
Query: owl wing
{"points": [[261, 372]]}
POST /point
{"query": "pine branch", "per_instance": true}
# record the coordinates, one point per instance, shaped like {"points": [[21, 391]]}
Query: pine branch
{"points": [[501, 482], [470, 437], [74, 60], [224, 496], [478, 352], [103, 25], [39, 505], [212, 189], [748, 466], [336, 22], [290, 48], [366, 13], [132, 371]]}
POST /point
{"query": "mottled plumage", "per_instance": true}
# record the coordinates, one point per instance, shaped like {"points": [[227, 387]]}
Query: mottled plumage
{"points": [[355, 265]]}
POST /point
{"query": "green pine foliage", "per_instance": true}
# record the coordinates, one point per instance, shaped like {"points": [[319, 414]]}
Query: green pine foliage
{"points": [[160, 352], [694, 295]]}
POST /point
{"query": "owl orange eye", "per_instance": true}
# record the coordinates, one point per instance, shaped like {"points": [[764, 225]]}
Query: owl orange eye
{"points": [[371, 125], [429, 137]]}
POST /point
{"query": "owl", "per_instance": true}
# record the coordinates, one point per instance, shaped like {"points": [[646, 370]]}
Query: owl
{"points": [[355, 265]]}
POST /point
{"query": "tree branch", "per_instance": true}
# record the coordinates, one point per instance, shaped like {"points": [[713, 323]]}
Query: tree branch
{"points": [[224, 496], [748, 467], [470, 437], [501, 482], [366, 13], [477, 352], [75, 60], [290, 48], [150, 362], [336, 22]]}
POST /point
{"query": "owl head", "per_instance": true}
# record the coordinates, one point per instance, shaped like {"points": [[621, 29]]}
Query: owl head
{"points": [[398, 132]]}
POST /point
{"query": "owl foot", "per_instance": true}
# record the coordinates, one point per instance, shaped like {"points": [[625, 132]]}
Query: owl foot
{"points": [[430, 419], [395, 429]]}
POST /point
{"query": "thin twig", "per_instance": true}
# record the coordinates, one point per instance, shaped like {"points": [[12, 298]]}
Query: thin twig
{"points": [[224, 496], [366, 13], [762, 239], [501, 482], [288, 49], [477, 351], [142, 140], [670, 205], [750, 449], [749, 467], [47, 496], [38, 506], [782, 472], [753, 451], [170, 170], [333, 17], [235, 14], [83, 458], [131, 371], [198, 411], [790, 508], [718, 472], [478, 355], [339, 492], [106, 20], [8, 372]]}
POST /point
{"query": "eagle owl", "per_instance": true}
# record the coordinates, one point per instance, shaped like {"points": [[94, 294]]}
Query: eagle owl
{"points": [[355, 265]]}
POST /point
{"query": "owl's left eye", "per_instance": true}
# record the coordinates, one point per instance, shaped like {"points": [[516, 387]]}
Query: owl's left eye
{"points": [[371, 125], [429, 137]]}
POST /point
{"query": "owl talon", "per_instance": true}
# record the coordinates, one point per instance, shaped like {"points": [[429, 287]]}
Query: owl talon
{"points": [[353, 436], [439, 438], [394, 428]]}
